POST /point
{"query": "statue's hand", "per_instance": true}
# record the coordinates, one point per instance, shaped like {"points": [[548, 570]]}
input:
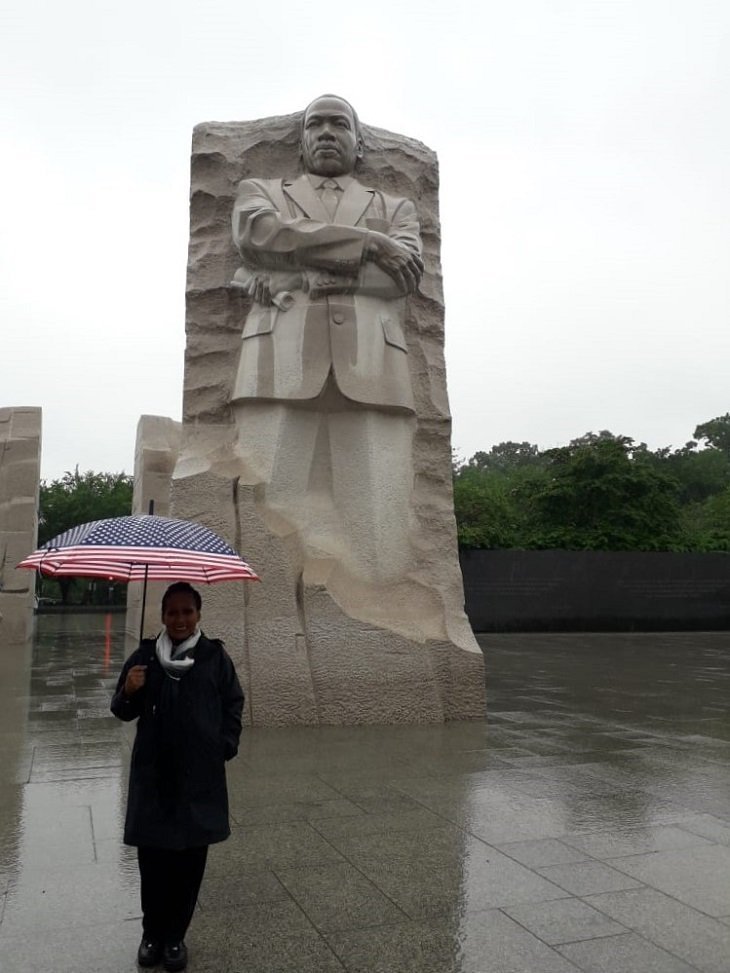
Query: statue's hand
{"points": [[259, 288], [400, 263], [281, 280]]}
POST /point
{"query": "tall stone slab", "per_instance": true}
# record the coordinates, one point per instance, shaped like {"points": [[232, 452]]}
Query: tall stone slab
{"points": [[20, 463], [359, 618], [155, 454]]}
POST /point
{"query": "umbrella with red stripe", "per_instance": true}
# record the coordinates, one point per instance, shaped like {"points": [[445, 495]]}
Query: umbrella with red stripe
{"points": [[141, 548]]}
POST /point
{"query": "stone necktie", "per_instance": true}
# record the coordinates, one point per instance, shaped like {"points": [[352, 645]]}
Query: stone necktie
{"points": [[330, 198]]}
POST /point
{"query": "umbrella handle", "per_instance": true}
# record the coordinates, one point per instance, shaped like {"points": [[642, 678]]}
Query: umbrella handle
{"points": [[144, 602], [144, 587]]}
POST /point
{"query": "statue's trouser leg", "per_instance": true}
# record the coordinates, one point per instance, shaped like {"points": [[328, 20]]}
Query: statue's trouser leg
{"points": [[285, 448], [372, 473], [340, 473]]}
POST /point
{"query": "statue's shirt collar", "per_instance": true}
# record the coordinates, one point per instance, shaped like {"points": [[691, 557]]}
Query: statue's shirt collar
{"points": [[317, 181]]}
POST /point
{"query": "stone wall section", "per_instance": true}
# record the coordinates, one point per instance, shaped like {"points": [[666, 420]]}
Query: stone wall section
{"points": [[156, 451], [20, 463]]}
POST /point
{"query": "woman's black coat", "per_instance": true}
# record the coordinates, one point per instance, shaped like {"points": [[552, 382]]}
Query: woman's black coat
{"points": [[187, 729]]}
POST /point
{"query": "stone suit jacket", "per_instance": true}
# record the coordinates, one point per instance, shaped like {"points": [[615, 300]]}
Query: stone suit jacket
{"points": [[343, 316]]}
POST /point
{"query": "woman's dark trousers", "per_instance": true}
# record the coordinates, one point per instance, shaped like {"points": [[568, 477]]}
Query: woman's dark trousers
{"points": [[170, 884]]}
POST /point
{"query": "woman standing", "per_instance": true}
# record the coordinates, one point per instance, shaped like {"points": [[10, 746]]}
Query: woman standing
{"points": [[184, 690]]}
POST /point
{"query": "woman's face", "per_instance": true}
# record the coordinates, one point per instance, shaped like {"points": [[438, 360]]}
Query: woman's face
{"points": [[180, 616]]}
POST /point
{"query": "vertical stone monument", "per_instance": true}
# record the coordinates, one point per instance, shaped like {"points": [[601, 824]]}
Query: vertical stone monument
{"points": [[316, 431], [155, 454], [20, 464]]}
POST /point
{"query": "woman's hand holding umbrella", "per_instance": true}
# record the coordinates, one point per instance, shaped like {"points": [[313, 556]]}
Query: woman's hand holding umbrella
{"points": [[135, 680]]}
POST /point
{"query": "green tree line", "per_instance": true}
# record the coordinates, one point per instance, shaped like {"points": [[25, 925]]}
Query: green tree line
{"points": [[600, 492], [77, 498]]}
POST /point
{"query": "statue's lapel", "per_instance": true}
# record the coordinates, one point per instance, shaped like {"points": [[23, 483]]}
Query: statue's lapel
{"points": [[355, 201], [300, 190]]}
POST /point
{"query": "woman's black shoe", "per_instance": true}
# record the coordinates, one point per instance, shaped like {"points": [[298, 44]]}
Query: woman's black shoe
{"points": [[149, 952], [175, 957]]}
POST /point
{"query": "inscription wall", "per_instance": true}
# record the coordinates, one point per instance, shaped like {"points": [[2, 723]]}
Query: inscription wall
{"points": [[595, 591]]}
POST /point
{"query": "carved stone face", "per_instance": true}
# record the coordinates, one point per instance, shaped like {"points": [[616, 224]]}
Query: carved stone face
{"points": [[330, 141]]}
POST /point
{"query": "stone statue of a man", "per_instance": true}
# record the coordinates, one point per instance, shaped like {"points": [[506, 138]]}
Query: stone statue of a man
{"points": [[323, 394]]}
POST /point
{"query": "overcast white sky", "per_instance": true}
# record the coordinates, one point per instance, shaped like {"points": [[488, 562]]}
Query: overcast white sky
{"points": [[585, 203]]}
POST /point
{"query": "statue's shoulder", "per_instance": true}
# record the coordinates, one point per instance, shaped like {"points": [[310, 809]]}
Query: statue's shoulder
{"points": [[273, 188], [394, 202], [254, 184], [391, 206]]}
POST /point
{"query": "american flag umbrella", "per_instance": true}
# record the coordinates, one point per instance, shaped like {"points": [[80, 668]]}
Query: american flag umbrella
{"points": [[140, 548]]}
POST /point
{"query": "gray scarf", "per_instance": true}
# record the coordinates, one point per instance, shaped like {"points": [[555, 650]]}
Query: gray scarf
{"points": [[176, 659]]}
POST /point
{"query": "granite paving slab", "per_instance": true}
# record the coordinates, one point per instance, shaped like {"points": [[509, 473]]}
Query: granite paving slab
{"points": [[564, 921], [289, 844], [684, 932], [281, 813], [248, 793], [423, 887], [543, 851], [229, 883], [370, 793], [586, 878], [219, 944], [431, 844], [621, 842], [392, 822], [274, 917], [79, 896], [707, 826], [485, 942], [503, 816], [338, 897], [696, 876], [109, 947], [626, 953]]}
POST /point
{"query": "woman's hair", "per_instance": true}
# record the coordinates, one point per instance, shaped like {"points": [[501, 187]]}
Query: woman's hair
{"points": [[182, 588]]}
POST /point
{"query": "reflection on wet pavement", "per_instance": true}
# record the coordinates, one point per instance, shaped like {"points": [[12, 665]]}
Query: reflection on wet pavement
{"points": [[584, 826]]}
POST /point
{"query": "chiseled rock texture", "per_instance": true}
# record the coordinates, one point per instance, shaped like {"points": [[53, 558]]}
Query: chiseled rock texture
{"points": [[155, 454], [313, 643], [20, 463]]}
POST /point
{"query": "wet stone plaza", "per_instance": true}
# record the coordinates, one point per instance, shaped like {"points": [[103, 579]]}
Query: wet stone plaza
{"points": [[584, 826]]}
